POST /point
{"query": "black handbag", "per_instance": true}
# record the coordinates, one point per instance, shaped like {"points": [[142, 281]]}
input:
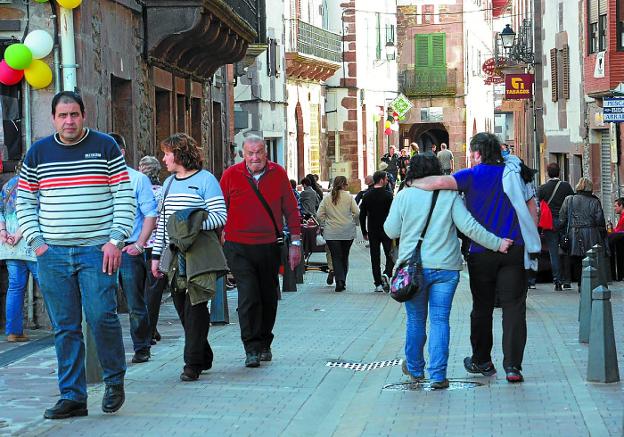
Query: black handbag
{"points": [[408, 277], [564, 237]]}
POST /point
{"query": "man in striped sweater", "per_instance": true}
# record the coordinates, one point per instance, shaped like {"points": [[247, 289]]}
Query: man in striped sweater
{"points": [[75, 208]]}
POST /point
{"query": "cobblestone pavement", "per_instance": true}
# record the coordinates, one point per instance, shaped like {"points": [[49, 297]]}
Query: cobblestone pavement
{"points": [[297, 394]]}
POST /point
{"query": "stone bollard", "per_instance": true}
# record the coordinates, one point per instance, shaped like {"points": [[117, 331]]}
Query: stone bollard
{"points": [[602, 264], [219, 311], [589, 281], [289, 282], [602, 365]]}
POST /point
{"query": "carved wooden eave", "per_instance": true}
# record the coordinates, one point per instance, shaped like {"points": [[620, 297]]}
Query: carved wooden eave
{"points": [[195, 36], [311, 68]]}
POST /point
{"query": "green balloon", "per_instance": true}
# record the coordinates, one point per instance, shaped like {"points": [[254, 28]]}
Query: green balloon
{"points": [[41, 1], [18, 56]]}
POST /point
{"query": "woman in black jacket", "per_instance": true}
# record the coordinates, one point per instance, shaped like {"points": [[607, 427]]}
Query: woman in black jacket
{"points": [[586, 226]]}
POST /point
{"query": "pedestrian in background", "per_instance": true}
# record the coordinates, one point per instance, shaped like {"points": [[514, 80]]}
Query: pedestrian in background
{"points": [[446, 159], [554, 192], [189, 188], [582, 220], [154, 287], [315, 185], [414, 149], [368, 181], [491, 274], [338, 214], [253, 242], [134, 267], [78, 265], [309, 199], [20, 261], [392, 159], [374, 210], [441, 260], [404, 160]]}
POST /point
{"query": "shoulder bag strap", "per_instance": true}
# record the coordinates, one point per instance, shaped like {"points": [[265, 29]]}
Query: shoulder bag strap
{"points": [[553, 193], [162, 211], [265, 205], [434, 199]]}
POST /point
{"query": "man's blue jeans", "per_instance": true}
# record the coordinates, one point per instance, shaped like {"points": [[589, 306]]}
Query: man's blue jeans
{"points": [[552, 241], [436, 298], [132, 275], [71, 280], [18, 278]]}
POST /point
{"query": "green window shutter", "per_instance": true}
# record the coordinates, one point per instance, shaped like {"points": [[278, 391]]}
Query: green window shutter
{"points": [[438, 50], [378, 52], [422, 53]]}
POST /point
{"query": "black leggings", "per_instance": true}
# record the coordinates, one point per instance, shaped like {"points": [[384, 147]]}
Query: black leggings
{"points": [[340, 257]]}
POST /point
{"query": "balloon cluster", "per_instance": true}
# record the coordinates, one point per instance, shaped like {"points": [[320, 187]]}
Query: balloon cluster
{"points": [[391, 123], [67, 4], [24, 60]]}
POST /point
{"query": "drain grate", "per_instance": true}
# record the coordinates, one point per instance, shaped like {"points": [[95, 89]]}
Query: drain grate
{"points": [[454, 384], [361, 367]]}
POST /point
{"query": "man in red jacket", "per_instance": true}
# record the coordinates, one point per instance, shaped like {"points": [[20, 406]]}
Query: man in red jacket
{"points": [[258, 196]]}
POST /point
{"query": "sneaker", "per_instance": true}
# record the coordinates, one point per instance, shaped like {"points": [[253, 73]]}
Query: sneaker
{"points": [[485, 369], [439, 385], [513, 375], [558, 286], [266, 354], [330, 277], [385, 282], [567, 287], [379, 289], [406, 372]]}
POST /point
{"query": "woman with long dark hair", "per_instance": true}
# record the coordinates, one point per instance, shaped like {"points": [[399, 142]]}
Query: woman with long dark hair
{"points": [[338, 214]]}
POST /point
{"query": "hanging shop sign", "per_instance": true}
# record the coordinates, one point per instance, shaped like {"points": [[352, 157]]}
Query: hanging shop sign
{"points": [[613, 109], [518, 86], [401, 105]]}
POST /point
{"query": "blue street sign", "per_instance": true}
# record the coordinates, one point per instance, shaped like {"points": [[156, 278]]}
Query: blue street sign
{"points": [[613, 109]]}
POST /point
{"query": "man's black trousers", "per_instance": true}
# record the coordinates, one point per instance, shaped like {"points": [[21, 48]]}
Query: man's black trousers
{"points": [[255, 268], [493, 273], [375, 241]]}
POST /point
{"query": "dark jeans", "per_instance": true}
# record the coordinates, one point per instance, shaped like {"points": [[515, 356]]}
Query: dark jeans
{"points": [[340, 257], [552, 242], [132, 274], [375, 255], [255, 267], [196, 322], [72, 281], [493, 273], [154, 288]]}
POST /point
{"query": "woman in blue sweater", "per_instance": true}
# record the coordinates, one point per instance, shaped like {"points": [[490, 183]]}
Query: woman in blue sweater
{"points": [[442, 261]]}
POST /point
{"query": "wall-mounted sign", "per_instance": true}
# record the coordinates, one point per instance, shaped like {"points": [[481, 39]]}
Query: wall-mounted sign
{"points": [[401, 105], [599, 68], [613, 109], [518, 86]]}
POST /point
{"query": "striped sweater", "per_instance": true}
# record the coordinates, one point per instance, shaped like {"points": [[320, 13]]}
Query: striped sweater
{"points": [[75, 194], [200, 190]]}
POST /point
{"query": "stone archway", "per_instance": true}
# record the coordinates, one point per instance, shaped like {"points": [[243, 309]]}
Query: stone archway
{"points": [[428, 134]]}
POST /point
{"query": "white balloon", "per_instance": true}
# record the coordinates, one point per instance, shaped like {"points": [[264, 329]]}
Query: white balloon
{"points": [[394, 126], [40, 43]]}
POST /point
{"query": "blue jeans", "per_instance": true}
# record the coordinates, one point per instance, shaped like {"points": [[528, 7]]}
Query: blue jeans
{"points": [[71, 281], [552, 241], [18, 278], [437, 297], [132, 275]]}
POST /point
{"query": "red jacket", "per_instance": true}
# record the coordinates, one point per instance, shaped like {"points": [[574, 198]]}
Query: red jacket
{"points": [[620, 225], [248, 222]]}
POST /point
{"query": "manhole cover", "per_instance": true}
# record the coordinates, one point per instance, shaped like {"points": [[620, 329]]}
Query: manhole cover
{"points": [[454, 384], [362, 367]]}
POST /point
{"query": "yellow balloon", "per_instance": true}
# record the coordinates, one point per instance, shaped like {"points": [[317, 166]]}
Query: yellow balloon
{"points": [[69, 4], [38, 74]]}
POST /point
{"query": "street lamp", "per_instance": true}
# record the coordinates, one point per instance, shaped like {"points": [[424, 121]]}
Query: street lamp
{"points": [[390, 51], [508, 37]]}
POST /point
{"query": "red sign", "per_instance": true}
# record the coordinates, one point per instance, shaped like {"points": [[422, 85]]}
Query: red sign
{"points": [[518, 86]]}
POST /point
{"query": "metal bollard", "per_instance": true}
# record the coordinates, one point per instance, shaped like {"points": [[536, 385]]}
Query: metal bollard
{"points": [[589, 281], [601, 264], [300, 271], [602, 364], [219, 311], [290, 279]]}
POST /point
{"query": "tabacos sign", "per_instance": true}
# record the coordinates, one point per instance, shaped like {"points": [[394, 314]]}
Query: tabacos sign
{"points": [[518, 86]]}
